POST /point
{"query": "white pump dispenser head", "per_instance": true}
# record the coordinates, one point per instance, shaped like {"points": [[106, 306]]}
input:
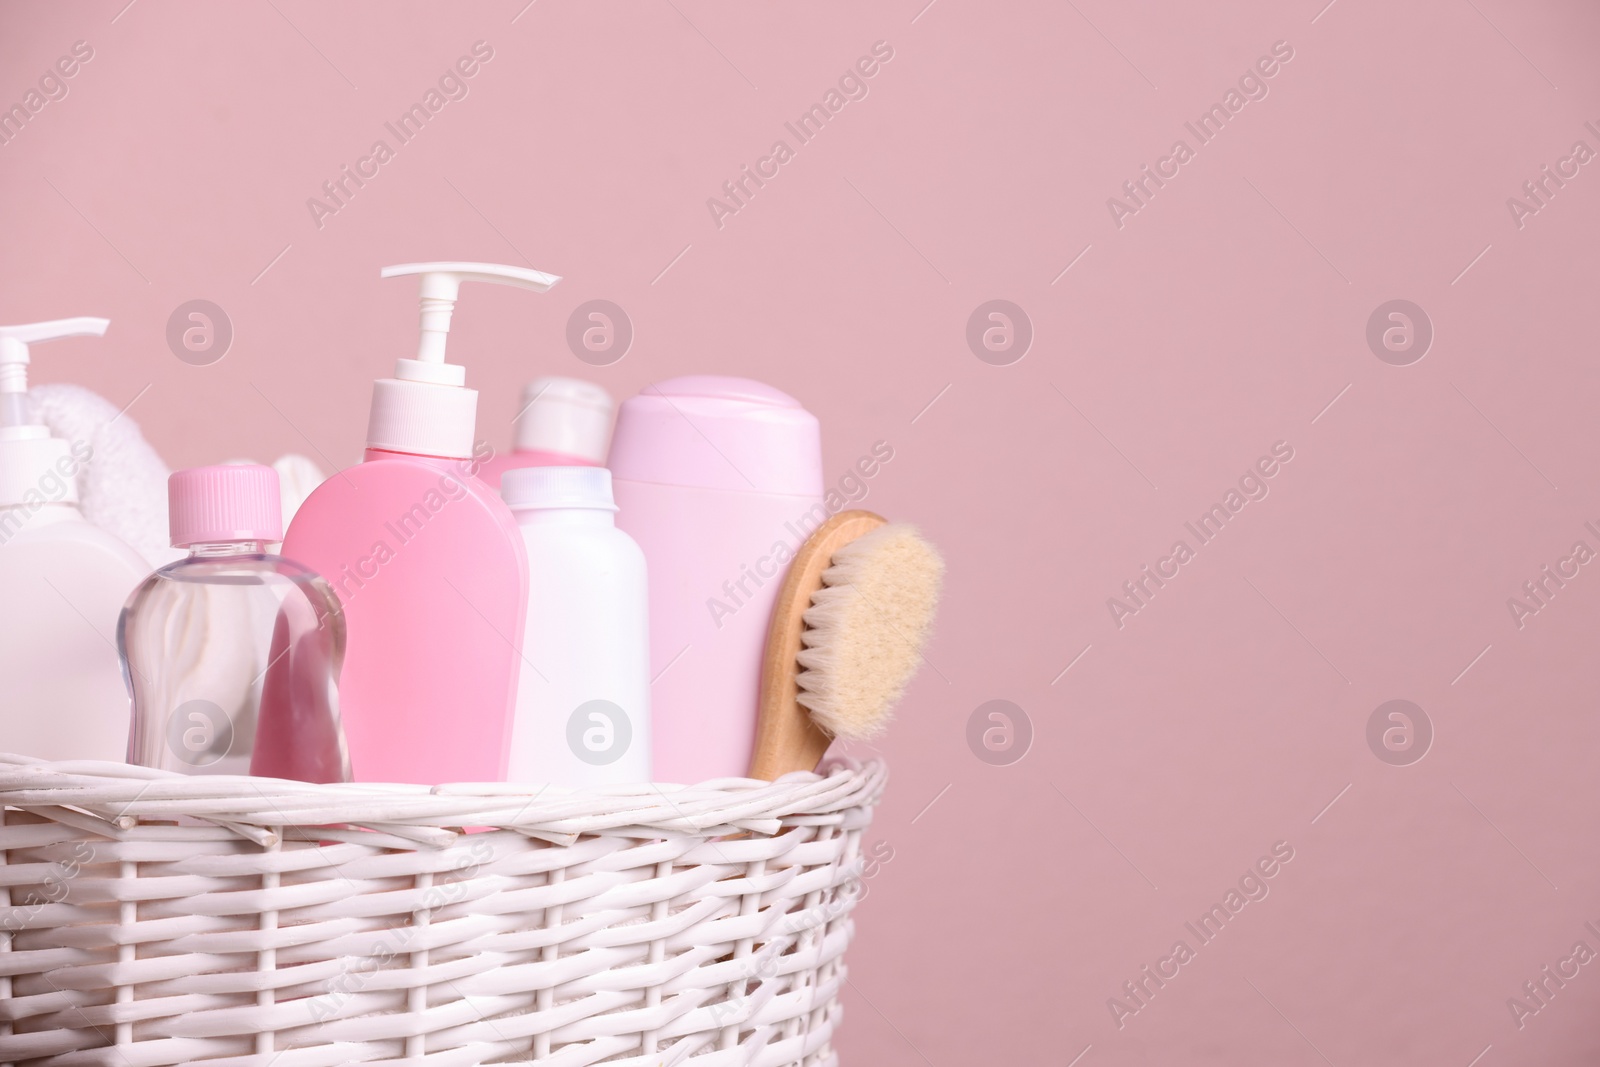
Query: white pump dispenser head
{"points": [[31, 461], [426, 409]]}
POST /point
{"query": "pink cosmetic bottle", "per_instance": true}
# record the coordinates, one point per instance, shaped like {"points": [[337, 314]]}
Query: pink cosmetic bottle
{"points": [[428, 563], [719, 480], [563, 422]]}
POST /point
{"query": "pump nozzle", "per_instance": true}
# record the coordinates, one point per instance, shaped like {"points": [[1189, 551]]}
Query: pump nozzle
{"points": [[14, 342], [441, 285], [425, 408], [35, 468]]}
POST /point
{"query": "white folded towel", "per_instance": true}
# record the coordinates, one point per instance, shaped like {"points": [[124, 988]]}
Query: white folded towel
{"points": [[123, 487]]}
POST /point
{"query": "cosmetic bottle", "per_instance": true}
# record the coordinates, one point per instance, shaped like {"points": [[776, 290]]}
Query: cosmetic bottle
{"points": [[562, 422], [232, 655], [428, 564], [583, 701], [719, 480], [62, 580]]}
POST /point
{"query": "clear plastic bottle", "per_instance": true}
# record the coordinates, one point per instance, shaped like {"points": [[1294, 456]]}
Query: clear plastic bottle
{"points": [[232, 655]]}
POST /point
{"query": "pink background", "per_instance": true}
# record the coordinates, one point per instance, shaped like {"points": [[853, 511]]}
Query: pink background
{"points": [[1223, 317]]}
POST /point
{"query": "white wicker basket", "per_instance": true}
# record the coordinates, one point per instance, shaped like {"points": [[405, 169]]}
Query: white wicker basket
{"points": [[149, 919]]}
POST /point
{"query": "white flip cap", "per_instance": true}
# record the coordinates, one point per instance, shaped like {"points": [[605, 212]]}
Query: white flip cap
{"points": [[426, 409], [565, 415], [544, 488], [31, 461]]}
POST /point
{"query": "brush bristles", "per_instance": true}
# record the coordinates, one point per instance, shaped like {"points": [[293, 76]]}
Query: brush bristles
{"points": [[865, 630]]}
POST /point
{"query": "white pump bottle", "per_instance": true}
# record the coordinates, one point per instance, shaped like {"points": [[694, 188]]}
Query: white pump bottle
{"points": [[62, 580]]}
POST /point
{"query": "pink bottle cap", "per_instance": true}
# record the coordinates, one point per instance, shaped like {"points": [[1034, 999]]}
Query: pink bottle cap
{"points": [[712, 432], [232, 502]]}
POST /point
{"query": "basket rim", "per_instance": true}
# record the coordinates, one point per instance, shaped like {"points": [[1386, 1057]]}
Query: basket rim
{"points": [[116, 798]]}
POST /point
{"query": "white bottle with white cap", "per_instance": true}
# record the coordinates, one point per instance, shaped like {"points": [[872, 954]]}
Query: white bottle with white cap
{"points": [[62, 580], [561, 422], [427, 562], [583, 701]]}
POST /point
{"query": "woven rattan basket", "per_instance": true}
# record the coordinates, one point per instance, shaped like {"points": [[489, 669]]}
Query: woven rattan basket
{"points": [[151, 919]]}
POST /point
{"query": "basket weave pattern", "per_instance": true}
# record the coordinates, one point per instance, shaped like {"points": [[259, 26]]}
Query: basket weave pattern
{"points": [[149, 919]]}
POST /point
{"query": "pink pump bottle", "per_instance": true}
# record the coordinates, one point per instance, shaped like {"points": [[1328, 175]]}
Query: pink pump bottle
{"points": [[563, 422], [428, 563], [719, 480]]}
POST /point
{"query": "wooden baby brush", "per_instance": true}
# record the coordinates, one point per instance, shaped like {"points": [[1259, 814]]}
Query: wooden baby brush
{"points": [[846, 636]]}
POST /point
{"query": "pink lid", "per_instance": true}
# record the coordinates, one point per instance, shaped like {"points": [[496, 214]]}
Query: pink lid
{"points": [[232, 502], [712, 432]]}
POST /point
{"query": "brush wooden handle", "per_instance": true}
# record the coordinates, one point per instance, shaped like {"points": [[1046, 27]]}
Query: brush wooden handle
{"points": [[786, 738]]}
